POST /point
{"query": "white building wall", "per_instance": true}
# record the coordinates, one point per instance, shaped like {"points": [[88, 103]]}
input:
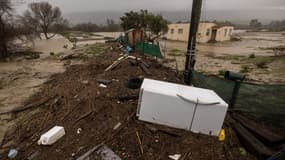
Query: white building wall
{"points": [[180, 32], [224, 33]]}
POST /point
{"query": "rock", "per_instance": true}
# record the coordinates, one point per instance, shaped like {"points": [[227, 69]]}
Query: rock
{"points": [[175, 156], [102, 86], [12, 153], [85, 82]]}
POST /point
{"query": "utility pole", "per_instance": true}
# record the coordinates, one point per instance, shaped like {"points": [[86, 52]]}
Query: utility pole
{"points": [[191, 48]]}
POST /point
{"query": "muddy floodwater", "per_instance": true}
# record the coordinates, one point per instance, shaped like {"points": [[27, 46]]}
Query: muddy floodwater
{"points": [[254, 55], [251, 43]]}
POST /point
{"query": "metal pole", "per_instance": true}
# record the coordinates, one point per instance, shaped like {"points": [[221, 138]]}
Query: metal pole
{"points": [[234, 95], [191, 48]]}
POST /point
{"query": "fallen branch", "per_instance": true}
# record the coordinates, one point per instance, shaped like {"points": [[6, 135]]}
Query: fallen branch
{"points": [[87, 154], [140, 142], [144, 68], [116, 63]]}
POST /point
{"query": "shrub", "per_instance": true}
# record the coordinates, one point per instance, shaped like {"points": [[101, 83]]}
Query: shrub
{"points": [[244, 69], [261, 64], [222, 72], [251, 56]]}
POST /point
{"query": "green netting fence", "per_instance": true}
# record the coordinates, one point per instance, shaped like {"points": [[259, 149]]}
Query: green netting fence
{"points": [[149, 49], [266, 102]]}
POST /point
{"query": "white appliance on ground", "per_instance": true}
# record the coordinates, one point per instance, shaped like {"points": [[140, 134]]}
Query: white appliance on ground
{"points": [[190, 108]]}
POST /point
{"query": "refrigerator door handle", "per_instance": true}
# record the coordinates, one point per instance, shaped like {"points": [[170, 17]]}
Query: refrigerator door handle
{"points": [[197, 102]]}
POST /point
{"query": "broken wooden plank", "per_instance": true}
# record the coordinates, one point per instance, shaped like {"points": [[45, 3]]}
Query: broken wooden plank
{"points": [[104, 81], [264, 134], [105, 153], [144, 68], [147, 65], [116, 63], [252, 143], [88, 153]]}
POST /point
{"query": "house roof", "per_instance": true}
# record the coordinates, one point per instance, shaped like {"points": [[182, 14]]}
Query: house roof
{"points": [[130, 30]]}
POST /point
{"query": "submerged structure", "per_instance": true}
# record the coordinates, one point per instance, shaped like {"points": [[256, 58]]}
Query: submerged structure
{"points": [[207, 32]]}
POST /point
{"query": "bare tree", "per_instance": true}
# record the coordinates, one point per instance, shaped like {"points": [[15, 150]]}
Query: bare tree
{"points": [[41, 17], [5, 27]]}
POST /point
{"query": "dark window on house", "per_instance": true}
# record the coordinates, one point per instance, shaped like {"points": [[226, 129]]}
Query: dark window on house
{"points": [[226, 31], [230, 31], [172, 31], [180, 31], [208, 32]]}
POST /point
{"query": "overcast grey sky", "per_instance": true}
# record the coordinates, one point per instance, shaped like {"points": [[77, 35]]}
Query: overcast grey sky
{"points": [[69, 6]]}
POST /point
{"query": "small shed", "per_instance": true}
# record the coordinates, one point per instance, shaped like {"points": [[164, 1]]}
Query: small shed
{"points": [[134, 36]]}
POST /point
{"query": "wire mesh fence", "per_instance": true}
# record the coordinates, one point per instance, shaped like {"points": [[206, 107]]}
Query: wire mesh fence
{"points": [[266, 102]]}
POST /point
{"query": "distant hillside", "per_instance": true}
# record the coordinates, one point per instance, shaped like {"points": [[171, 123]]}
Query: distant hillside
{"points": [[237, 17]]}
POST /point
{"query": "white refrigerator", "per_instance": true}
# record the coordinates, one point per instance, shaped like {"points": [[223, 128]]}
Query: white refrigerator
{"points": [[190, 108]]}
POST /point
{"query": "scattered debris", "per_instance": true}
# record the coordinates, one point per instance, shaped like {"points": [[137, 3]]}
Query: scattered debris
{"points": [[175, 156], [128, 98], [96, 111], [116, 63], [85, 81], [106, 153], [104, 81], [140, 141], [144, 68], [52, 136], [242, 151], [222, 135], [134, 83], [117, 126], [86, 155], [102, 86], [78, 130], [12, 153], [33, 155]]}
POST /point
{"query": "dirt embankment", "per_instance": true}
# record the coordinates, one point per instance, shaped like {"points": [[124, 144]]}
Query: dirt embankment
{"points": [[73, 99]]}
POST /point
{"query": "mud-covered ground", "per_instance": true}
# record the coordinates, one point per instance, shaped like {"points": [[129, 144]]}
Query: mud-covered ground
{"points": [[74, 100]]}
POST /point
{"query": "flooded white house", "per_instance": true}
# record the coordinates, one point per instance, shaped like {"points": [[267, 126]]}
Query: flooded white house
{"points": [[207, 32]]}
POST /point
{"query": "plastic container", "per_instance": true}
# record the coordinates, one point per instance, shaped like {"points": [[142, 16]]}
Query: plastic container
{"points": [[52, 136]]}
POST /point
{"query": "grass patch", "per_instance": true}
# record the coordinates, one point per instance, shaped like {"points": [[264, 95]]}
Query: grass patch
{"points": [[222, 72], [245, 69], [167, 60], [251, 56], [95, 49], [174, 50], [175, 54], [225, 57], [261, 62], [68, 35]]}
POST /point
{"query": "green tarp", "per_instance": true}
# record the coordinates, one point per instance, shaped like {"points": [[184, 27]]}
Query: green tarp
{"points": [[149, 49]]}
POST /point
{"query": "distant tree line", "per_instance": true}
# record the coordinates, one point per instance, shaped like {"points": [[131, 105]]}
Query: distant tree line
{"points": [[276, 26], [110, 26]]}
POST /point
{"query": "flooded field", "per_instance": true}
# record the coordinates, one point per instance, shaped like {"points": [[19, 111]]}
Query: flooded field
{"points": [[252, 43], [255, 56], [94, 37]]}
